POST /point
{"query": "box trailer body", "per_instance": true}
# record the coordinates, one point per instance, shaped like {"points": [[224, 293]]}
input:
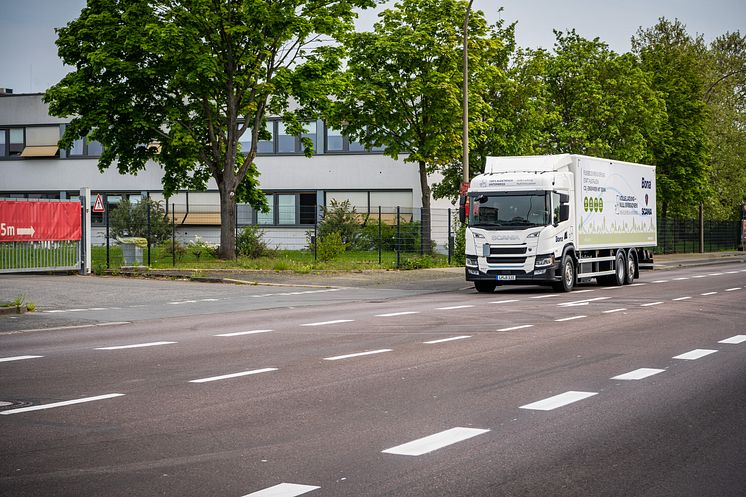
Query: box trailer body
{"points": [[557, 219]]}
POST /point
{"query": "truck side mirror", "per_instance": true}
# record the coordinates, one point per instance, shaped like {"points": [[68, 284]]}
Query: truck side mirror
{"points": [[564, 212], [462, 209], [564, 198]]}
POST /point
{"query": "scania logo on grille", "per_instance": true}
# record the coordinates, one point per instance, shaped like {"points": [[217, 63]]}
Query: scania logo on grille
{"points": [[506, 237]]}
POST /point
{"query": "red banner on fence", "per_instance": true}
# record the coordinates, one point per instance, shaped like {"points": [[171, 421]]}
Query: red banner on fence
{"points": [[39, 221]]}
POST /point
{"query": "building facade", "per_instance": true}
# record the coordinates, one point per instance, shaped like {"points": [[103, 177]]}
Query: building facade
{"points": [[297, 187]]}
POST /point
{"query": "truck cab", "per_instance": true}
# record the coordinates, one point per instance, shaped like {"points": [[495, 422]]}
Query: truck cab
{"points": [[519, 226]]}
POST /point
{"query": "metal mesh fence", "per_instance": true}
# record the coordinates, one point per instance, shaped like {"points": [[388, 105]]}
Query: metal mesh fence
{"points": [[365, 237]]}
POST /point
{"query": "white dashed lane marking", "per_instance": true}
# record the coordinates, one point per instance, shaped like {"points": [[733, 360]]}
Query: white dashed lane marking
{"points": [[571, 318], [453, 307], [324, 323], [442, 340], [135, 346], [392, 314], [234, 375], [60, 404], [241, 333], [681, 298], [638, 374], [708, 293], [434, 442], [734, 340], [650, 304], [19, 358], [520, 327], [510, 301], [357, 354], [557, 401], [283, 490], [695, 354], [611, 311]]}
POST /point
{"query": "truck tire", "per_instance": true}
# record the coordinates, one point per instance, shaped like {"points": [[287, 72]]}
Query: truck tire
{"points": [[629, 277], [620, 269], [485, 286], [567, 271]]}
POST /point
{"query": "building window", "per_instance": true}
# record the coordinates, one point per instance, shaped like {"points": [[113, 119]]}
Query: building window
{"points": [[336, 143], [85, 148], [285, 209], [12, 142], [281, 142]]}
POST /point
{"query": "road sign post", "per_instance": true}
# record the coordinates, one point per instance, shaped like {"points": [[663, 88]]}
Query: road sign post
{"points": [[85, 241]]}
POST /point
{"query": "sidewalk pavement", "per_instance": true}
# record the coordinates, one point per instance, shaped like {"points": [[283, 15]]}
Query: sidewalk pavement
{"points": [[435, 279]]}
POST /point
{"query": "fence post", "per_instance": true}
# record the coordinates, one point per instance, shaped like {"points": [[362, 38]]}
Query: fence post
{"points": [[235, 217], [173, 235], [315, 239], [398, 237], [149, 234], [85, 247], [450, 238], [106, 213], [380, 237]]}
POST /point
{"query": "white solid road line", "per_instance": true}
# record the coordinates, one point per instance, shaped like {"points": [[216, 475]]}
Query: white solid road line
{"points": [[392, 314], [283, 490], [442, 340], [734, 340], [453, 307], [19, 358], [516, 327], [695, 354], [638, 374], [135, 346], [358, 354], [60, 404], [322, 323], [572, 318], [560, 400], [434, 442], [234, 375], [241, 333]]}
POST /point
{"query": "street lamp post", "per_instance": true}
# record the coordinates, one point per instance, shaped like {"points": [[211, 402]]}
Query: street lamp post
{"points": [[466, 96]]}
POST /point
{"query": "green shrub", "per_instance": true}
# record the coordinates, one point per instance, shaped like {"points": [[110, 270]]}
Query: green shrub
{"points": [[174, 250], [418, 262], [330, 247], [198, 247], [250, 243], [341, 218], [459, 246], [129, 219]]}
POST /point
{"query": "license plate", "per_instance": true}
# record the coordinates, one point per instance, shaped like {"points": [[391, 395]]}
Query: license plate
{"points": [[506, 277]]}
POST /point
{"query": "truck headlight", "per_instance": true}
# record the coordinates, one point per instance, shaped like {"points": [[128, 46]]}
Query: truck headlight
{"points": [[544, 260], [471, 261]]}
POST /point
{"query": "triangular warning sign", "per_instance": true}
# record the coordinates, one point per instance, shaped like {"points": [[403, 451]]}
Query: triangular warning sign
{"points": [[98, 205]]}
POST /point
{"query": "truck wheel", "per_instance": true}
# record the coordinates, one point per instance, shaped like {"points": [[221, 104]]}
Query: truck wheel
{"points": [[485, 286], [631, 268], [620, 269], [568, 275]]}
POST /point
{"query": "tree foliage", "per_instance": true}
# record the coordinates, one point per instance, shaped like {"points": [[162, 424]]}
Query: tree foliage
{"points": [[131, 219], [404, 80], [675, 61], [196, 77]]}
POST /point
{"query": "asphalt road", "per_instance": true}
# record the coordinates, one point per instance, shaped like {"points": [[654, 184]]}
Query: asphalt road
{"points": [[638, 390]]}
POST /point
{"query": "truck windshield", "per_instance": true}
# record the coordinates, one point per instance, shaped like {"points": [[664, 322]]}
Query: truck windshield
{"points": [[509, 211]]}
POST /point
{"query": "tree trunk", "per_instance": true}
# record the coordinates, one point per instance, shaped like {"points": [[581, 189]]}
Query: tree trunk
{"points": [[425, 215], [227, 225]]}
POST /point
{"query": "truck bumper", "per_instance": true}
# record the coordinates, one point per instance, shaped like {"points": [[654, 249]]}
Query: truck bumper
{"points": [[546, 275]]}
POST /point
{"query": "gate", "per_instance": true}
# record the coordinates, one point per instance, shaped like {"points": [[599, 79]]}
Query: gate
{"points": [[40, 236]]}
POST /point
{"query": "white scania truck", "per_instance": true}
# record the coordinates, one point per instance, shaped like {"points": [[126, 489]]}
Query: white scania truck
{"points": [[558, 219]]}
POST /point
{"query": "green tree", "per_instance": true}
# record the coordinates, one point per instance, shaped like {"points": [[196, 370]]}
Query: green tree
{"points": [[725, 97], [131, 219], [196, 77], [675, 61], [403, 84], [600, 103]]}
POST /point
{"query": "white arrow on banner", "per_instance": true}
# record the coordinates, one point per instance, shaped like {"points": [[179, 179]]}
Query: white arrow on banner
{"points": [[25, 231]]}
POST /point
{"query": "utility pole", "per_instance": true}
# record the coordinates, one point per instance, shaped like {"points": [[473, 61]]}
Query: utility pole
{"points": [[466, 96]]}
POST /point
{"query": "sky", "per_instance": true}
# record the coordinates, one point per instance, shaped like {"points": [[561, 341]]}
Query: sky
{"points": [[29, 62]]}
